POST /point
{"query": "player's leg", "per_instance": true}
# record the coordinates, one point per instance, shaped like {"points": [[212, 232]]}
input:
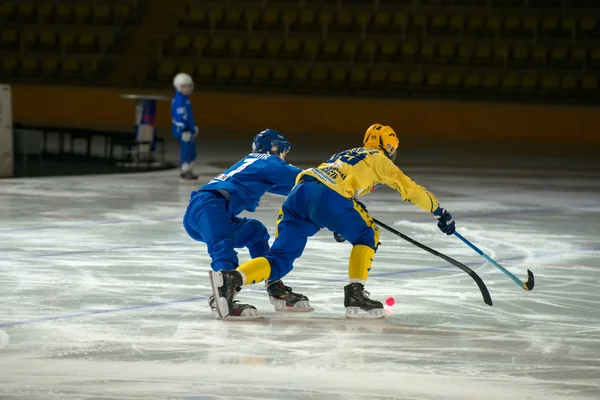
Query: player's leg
{"points": [[187, 156], [207, 220], [353, 223], [293, 232]]}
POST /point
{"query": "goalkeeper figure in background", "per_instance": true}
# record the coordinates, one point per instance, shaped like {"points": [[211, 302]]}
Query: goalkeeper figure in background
{"points": [[324, 197], [184, 127], [212, 217]]}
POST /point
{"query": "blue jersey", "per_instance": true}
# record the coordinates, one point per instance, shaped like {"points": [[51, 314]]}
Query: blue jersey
{"points": [[182, 116], [250, 178]]}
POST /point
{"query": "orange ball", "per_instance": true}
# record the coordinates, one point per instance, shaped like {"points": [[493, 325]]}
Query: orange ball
{"points": [[390, 301]]}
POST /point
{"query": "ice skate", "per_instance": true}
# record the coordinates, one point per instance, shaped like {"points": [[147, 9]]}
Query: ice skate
{"points": [[359, 305], [188, 177], [225, 286], [284, 299]]}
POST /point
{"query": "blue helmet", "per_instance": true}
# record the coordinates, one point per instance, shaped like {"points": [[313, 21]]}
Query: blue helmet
{"points": [[270, 141]]}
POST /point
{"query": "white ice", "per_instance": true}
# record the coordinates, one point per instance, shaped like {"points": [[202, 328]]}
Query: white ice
{"points": [[103, 296]]}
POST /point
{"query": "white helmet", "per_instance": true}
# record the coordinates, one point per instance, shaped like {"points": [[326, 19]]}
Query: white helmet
{"points": [[183, 83]]}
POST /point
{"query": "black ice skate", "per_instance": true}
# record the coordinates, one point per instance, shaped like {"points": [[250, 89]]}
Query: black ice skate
{"points": [[225, 286], [240, 310], [188, 177], [359, 305], [284, 299]]}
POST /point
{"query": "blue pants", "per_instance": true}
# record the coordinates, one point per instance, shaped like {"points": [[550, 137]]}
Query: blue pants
{"points": [[208, 220], [309, 207], [187, 153]]}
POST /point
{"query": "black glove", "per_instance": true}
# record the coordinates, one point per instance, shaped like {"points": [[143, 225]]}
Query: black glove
{"points": [[445, 221], [338, 238]]}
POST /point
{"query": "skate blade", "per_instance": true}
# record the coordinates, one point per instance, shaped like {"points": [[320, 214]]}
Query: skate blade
{"points": [[216, 281], [248, 315], [359, 313], [300, 306]]}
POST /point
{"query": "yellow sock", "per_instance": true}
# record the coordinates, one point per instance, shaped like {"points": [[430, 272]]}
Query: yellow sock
{"points": [[256, 270], [361, 259]]}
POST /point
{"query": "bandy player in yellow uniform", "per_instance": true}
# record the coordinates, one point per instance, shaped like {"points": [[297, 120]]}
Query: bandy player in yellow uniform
{"points": [[324, 197]]}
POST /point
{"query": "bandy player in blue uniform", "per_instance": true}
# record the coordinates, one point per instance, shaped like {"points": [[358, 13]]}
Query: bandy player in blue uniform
{"points": [[184, 126], [212, 216]]}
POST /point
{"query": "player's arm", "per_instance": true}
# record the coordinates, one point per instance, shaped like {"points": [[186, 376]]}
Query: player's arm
{"points": [[283, 177], [178, 114], [410, 191], [191, 123]]}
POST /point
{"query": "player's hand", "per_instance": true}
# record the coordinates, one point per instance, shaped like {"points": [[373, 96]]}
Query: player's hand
{"points": [[445, 221], [186, 136], [338, 238]]}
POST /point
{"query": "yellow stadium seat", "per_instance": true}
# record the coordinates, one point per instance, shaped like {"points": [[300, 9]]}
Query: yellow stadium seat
{"points": [[291, 47], [307, 19], [215, 16], [343, 21], [589, 83], [368, 48], [217, 46], [595, 57], [29, 65], [28, 37], [389, 48], [198, 16], [419, 22], [426, 51], [281, 73], [311, 48], [501, 54], [106, 40], [531, 24], [6, 10], [71, 67], [475, 24], [363, 19], [242, 73], [325, 18], [289, 17], [539, 55], [568, 25], [512, 24], [358, 75], [9, 64], [25, 11], [434, 79], [224, 72], [381, 21], [181, 43], [457, 23], [550, 23], [187, 67], [67, 40], [63, 13], [9, 38], [509, 81], [483, 53], [261, 72], [415, 78], [529, 81], [492, 24], [472, 80], [465, 52], [251, 17], [588, 24], [568, 82], [446, 51], [400, 22], [205, 71], [377, 76], [44, 11], [331, 48], [85, 41], [270, 18], [273, 46], [578, 57], [397, 77], [101, 14], [300, 73], [233, 16], [521, 53], [549, 82], [318, 74], [90, 67], [339, 75], [255, 46], [199, 43], [47, 40], [452, 79], [49, 67], [82, 11], [165, 72], [349, 49], [122, 13], [559, 54], [439, 22]]}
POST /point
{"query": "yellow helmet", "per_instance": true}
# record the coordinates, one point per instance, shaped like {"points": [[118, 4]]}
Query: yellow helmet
{"points": [[382, 137]]}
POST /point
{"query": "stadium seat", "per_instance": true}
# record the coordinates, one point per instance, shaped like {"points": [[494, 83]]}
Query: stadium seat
{"points": [[530, 24], [224, 72], [281, 74], [539, 55], [9, 39], [310, 49], [64, 13], [381, 22], [339, 75], [483, 54], [28, 37], [29, 65], [49, 67], [445, 52], [187, 67], [9, 64], [529, 81], [452, 80], [82, 12], [549, 25], [25, 11], [242, 73], [520, 55], [181, 43], [367, 51], [217, 46], [475, 24], [44, 12], [307, 19], [86, 41], [198, 17], [349, 49], [419, 24], [6, 10], [415, 78], [273, 47], [558, 55], [358, 76], [255, 47], [342, 21], [331, 49], [389, 49], [318, 75], [569, 82], [291, 47], [465, 53], [199, 44], [549, 82], [511, 25], [71, 68], [377, 76], [325, 19], [205, 71], [47, 40], [215, 16], [67, 40], [457, 23], [122, 14], [289, 18], [251, 18], [589, 83], [426, 51], [166, 71], [270, 19], [509, 82], [106, 40], [434, 79], [101, 14], [397, 77], [439, 23], [588, 25], [472, 80], [233, 17], [568, 26], [300, 74], [261, 73], [493, 25], [501, 52], [400, 22], [578, 57]]}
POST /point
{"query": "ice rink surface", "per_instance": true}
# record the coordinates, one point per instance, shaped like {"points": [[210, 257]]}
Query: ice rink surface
{"points": [[103, 296]]}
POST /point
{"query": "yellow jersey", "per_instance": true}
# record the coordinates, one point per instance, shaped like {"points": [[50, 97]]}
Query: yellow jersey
{"points": [[356, 172]]}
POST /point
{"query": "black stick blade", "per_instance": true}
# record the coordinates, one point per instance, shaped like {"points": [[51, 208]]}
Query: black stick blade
{"points": [[530, 281]]}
